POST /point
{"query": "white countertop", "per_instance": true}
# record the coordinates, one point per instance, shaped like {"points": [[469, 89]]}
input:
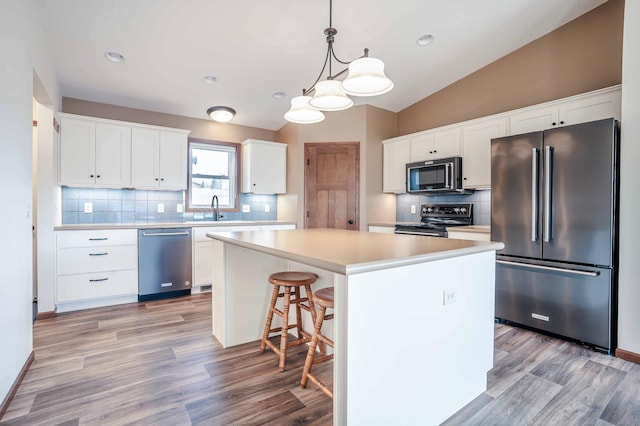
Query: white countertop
{"points": [[169, 224], [353, 252]]}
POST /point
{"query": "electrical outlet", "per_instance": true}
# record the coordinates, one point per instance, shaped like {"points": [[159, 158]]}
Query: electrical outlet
{"points": [[88, 207], [267, 209], [160, 208], [413, 209], [179, 208], [450, 295], [246, 208]]}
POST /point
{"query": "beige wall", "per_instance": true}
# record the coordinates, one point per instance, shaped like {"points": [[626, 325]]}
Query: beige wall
{"points": [[583, 55], [200, 128], [364, 124]]}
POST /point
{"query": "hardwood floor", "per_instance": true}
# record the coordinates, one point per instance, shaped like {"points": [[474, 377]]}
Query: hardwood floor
{"points": [[156, 363]]}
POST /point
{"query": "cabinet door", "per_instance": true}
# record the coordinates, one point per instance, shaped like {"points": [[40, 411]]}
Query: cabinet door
{"points": [[446, 143], [534, 120], [421, 148], [173, 160], [202, 262], [476, 152], [395, 159], [77, 152], [113, 155], [264, 168], [145, 148], [590, 108]]}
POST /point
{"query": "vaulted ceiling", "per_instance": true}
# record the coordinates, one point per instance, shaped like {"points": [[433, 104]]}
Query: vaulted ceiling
{"points": [[256, 48]]}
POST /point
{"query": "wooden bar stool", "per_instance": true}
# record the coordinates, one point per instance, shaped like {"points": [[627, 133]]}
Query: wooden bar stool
{"points": [[291, 281], [324, 299]]}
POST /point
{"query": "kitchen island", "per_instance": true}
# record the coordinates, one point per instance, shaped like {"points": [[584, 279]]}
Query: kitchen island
{"points": [[413, 326]]}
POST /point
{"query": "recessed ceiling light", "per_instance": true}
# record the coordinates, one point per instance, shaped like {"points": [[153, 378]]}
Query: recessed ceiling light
{"points": [[114, 57], [221, 114], [278, 95], [424, 40], [209, 79]]}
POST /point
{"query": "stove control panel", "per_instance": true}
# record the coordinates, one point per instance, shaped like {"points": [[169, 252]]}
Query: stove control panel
{"points": [[446, 210]]}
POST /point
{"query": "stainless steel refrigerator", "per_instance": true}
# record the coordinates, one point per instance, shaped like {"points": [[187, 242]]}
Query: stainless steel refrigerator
{"points": [[554, 205]]}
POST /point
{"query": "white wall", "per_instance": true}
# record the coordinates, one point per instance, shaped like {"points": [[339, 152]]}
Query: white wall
{"points": [[629, 283], [21, 42]]}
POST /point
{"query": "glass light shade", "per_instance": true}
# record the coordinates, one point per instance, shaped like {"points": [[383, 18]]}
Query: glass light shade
{"points": [[330, 96], [221, 114], [303, 113], [366, 78]]}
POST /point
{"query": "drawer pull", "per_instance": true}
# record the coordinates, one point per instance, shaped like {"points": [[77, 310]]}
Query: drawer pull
{"points": [[98, 239], [98, 254], [98, 280]]}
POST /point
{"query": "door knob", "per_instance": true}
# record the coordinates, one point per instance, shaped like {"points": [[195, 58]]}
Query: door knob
{"points": [[350, 221]]}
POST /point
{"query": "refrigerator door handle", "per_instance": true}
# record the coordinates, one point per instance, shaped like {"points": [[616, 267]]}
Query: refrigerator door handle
{"points": [[534, 194], [548, 196], [550, 268]]}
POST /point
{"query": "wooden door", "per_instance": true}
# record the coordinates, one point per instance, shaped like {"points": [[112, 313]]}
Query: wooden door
{"points": [[332, 181]]}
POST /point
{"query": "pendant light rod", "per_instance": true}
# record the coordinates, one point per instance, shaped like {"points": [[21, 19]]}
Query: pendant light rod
{"points": [[330, 32]]}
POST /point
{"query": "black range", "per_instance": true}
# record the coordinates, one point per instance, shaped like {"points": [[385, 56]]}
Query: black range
{"points": [[435, 218]]}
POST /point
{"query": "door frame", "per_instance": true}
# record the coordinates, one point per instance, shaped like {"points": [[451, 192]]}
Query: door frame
{"points": [[308, 145]]}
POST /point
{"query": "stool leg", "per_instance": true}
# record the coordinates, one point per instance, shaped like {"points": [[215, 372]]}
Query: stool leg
{"points": [[298, 296], [312, 347], [285, 327], [267, 326], [314, 315]]}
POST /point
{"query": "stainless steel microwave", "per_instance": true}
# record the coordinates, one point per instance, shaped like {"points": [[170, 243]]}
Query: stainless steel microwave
{"points": [[435, 176]]}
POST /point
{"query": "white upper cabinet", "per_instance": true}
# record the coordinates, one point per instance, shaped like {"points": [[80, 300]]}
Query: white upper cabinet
{"points": [[158, 159], [476, 151], [603, 103], [434, 145], [396, 155], [264, 167], [94, 153]]}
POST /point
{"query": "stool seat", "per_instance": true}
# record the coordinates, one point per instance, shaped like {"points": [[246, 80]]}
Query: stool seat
{"points": [[292, 278], [324, 299], [292, 282]]}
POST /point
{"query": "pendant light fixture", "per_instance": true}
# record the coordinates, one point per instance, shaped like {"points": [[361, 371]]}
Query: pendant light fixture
{"points": [[365, 78]]}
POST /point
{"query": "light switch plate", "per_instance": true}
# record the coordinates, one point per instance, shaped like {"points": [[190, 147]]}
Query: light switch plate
{"points": [[88, 207], [160, 208], [413, 209], [246, 208], [179, 208], [267, 209]]}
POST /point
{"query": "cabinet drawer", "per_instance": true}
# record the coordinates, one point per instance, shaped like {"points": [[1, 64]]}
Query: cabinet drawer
{"points": [[96, 259], [91, 286], [96, 238]]}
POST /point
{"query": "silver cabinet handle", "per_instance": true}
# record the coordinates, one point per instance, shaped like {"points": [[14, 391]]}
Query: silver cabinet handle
{"points": [[162, 234], [98, 239], [550, 268], [98, 254], [548, 195], [534, 194], [98, 280]]}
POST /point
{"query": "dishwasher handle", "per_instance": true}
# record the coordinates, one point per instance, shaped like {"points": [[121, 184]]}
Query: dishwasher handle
{"points": [[163, 234]]}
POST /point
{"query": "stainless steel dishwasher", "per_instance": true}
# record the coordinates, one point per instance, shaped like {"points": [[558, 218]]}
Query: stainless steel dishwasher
{"points": [[164, 263]]}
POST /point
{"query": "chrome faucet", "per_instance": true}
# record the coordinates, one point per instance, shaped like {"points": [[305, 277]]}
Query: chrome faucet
{"points": [[216, 208]]}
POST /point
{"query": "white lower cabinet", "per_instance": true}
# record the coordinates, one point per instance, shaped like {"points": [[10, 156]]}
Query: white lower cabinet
{"points": [[203, 248], [474, 236], [96, 268], [382, 229]]}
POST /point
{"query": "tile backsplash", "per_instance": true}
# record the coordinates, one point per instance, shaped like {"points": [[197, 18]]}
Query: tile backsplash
{"points": [[140, 206], [481, 201]]}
